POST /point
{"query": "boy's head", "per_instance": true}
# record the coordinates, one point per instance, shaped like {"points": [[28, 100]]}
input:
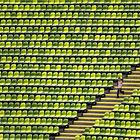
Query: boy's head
{"points": [[119, 79]]}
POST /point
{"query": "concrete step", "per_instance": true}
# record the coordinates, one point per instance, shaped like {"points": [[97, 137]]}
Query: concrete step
{"points": [[104, 103], [136, 71], [134, 76], [74, 130], [102, 107], [130, 87], [89, 118], [126, 91], [107, 99], [70, 134], [64, 138], [132, 80], [123, 88], [79, 126], [115, 95], [99, 110], [131, 84], [85, 122], [93, 114]]}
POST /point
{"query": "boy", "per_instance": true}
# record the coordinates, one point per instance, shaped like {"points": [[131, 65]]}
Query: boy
{"points": [[119, 87]]}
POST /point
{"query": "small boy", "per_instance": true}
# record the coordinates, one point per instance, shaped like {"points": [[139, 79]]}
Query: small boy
{"points": [[119, 87]]}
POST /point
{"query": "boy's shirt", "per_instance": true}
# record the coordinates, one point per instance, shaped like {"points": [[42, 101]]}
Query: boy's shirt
{"points": [[119, 84]]}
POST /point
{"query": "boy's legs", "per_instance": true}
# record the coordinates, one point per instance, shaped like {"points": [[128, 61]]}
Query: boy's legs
{"points": [[118, 91]]}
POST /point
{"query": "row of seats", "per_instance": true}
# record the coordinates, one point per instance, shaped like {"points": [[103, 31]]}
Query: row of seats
{"points": [[71, 45], [21, 69], [102, 1], [123, 116], [52, 90], [119, 124], [132, 100], [35, 105], [48, 98], [57, 29], [18, 74], [34, 1], [39, 129], [136, 92], [38, 113], [69, 36], [44, 2], [69, 52], [33, 121], [68, 1], [57, 83], [71, 21], [127, 108], [103, 138], [25, 136], [113, 131], [67, 60], [65, 7], [68, 14], [60, 75]]}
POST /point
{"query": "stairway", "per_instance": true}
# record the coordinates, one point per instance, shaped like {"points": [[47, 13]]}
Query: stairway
{"points": [[97, 111]]}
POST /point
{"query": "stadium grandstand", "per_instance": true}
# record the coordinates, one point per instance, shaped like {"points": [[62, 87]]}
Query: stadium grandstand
{"points": [[60, 61]]}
